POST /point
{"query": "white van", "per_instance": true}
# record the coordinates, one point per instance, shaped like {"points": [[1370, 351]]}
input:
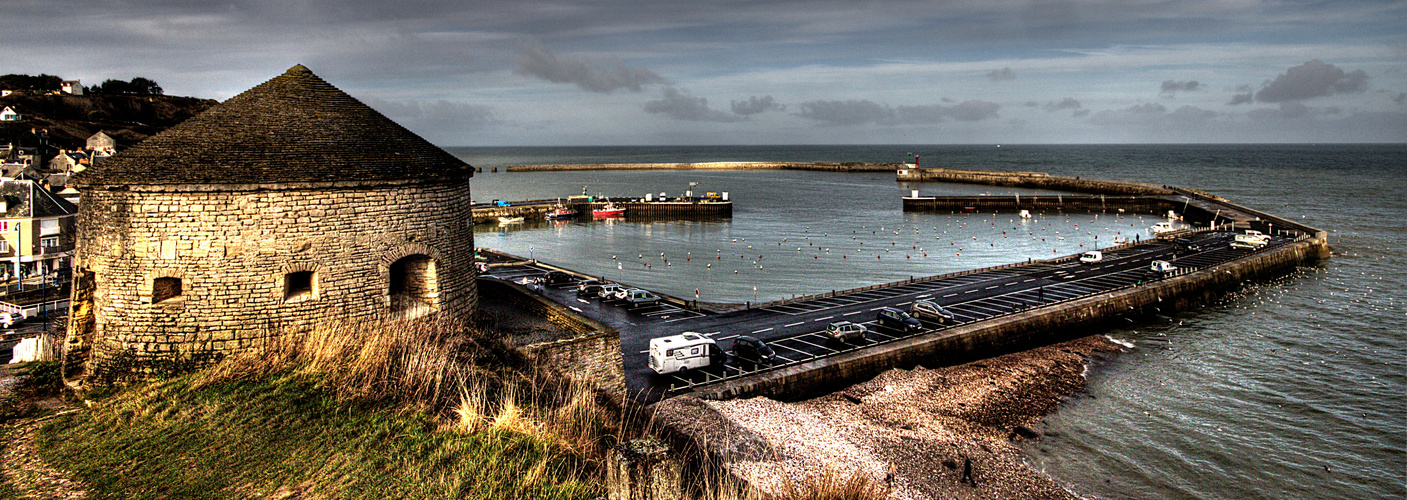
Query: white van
{"points": [[1092, 256], [685, 351]]}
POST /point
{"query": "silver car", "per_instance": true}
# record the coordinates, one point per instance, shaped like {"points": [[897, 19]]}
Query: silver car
{"points": [[846, 331], [930, 310]]}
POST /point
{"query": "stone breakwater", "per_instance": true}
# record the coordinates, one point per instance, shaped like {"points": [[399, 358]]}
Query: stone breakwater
{"points": [[716, 165], [911, 432]]}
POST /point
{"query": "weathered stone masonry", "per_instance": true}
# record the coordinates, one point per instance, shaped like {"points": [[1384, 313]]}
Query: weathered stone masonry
{"points": [[290, 206], [231, 251]]}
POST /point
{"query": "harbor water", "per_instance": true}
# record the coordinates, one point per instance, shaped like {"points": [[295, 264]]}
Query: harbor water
{"points": [[1287, 389]]}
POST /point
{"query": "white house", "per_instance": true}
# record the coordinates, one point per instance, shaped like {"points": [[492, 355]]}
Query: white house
{"points": [[9, 115], [71, 87]]}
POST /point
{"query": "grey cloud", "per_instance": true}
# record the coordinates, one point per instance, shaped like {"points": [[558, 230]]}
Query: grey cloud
{"points": [[681, 106], [1312, 79], [1173, 86], [753, 105], [593, 76], [1245, 98], [442, 122], [846, 112], [1031, 104], [1401, 98], [1066, 103], [1080, 113], [1003, 74], [867, 111], [974, 110]]}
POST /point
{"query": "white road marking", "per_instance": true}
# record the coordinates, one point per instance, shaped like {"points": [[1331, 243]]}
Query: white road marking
{"points": [[762, 330]]}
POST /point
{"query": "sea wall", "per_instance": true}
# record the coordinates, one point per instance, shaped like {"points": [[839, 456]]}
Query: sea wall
{"points": [[1024, 330], [718, 165], [1031, 180]]}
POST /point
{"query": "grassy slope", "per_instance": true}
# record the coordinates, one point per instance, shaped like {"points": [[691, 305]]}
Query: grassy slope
{"points": [[279, 434]]}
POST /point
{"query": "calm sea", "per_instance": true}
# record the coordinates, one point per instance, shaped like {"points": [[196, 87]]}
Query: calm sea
{"points": [[1287, 389]]}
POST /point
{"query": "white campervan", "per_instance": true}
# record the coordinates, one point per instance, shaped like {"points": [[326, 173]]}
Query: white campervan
{"points": [[684, 351]]}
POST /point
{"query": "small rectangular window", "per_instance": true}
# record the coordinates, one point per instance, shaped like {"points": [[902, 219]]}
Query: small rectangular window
{"points": [[299, 285], [51, 241], [4, 246], [164, 289], [48, 227]]}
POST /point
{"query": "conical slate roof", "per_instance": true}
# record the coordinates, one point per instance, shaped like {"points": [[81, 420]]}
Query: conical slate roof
{"points": [[294, 128]]}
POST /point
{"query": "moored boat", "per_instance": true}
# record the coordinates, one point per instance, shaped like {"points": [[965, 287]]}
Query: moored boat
{"points": [[510, 220], [608, 210], [561, 212], [1163, 227]]}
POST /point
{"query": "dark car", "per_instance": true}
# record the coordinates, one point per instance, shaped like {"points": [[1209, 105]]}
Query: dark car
{"points": [[557, 278], [752, 350], [895, 318], [588, 287], [1184, 244]]}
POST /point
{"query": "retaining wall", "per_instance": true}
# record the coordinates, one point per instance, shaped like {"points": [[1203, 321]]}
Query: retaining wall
{"points": [[591, 353]]}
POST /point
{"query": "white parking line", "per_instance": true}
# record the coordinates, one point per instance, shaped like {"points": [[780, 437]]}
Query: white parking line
{"points": [[793, 324], [852, 313], [762, 330], [823, 319], [950, 295]]}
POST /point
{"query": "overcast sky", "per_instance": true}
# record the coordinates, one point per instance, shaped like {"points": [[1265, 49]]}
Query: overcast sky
{"points": [[636, 72]]}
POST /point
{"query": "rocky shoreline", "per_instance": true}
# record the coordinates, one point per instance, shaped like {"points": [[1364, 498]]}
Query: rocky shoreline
{"points": [[717, 165], [951, 432]]}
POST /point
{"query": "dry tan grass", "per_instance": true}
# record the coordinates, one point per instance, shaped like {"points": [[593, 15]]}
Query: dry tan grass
{"points": [[441, 367]]}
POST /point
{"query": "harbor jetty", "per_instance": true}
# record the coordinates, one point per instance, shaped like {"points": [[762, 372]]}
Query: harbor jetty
{"points": [[716, 165], [635, 208]]}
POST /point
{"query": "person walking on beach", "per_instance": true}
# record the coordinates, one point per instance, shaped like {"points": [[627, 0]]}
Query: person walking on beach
{"points": [[967, 472]]}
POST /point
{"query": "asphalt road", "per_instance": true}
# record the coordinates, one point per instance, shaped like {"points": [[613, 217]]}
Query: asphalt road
{"points": [[797, 330]]}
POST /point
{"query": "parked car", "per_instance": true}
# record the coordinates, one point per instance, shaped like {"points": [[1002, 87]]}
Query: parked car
{"points": [[557, 278], [588, 287], [9, 319], [608, 291], [636, 297], [931, 310], [752, 350], [846, 331], [1186, 245], [1092, 256], [688, 350], [895, 318]]}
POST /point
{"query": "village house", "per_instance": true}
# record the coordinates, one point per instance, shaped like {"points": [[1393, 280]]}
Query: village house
{"points": [[290, 206], [101, 145], [71, 87], [9, 114], [36, 230]]}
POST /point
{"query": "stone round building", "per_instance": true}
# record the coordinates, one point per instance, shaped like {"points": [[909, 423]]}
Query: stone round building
{"points": [[289, 206]]}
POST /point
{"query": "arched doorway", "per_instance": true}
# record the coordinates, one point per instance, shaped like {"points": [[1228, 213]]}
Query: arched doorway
{"points": [[413, 284]]}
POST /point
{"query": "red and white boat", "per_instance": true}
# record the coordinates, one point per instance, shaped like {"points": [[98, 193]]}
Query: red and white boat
{"points": [[609, 210], [561, 212]]}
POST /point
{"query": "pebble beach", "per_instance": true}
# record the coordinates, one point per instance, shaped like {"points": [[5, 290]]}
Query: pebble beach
{"points": [[912, 433]]}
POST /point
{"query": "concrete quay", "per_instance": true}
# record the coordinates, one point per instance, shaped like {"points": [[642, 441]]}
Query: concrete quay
{"points": [[1036, 180], [717, 165], [635, 208]]}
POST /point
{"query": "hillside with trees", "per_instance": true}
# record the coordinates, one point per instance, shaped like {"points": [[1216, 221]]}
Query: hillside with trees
{"points": [[128, 111]]}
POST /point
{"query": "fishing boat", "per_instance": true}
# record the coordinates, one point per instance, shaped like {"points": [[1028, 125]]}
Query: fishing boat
{"points": [[510, 220], [609, 210], [1163, 227], [1025, 214], [561, 212]]}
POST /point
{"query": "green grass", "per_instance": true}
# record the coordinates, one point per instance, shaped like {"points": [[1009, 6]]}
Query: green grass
{"points": [[281, 432]]}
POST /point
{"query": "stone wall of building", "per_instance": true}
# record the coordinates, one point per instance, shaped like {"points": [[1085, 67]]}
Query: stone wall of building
{"points": [[249, 262]]}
